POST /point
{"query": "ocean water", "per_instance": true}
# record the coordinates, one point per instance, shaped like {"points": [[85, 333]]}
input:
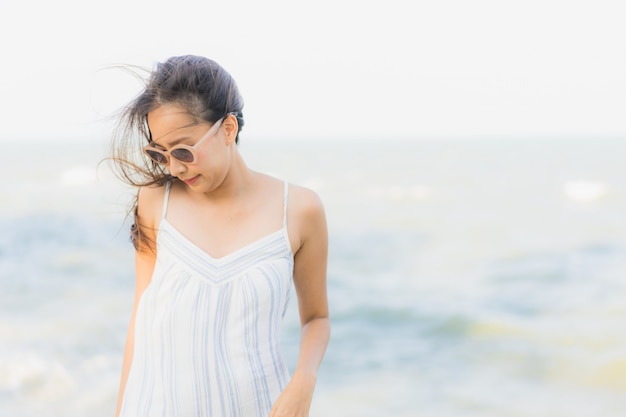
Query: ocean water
{"points": [[468, 277]]}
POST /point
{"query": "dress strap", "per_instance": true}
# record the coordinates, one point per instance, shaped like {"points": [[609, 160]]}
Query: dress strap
{"points": [[285, 197], [166, 198]]}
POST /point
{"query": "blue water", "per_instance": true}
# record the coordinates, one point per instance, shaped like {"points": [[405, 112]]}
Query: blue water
{"points": [[467, 277]]}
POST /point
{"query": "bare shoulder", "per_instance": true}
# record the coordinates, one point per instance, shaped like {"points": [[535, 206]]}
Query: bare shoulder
{"points": [[150, 204], [307, 218], [302, 200], [305, 201]]}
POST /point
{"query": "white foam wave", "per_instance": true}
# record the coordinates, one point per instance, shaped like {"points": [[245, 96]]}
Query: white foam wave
{"points": [[32, 375]]}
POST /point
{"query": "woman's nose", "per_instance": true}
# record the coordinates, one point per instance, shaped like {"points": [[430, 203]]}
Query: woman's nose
{"points": [[175, 167]]}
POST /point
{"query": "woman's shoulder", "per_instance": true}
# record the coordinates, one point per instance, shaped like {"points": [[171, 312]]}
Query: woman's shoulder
{"points": [[150, 202], [304, 198], [300, 197], [151, 193], [306, 218], [303, 202], [306, 211]]}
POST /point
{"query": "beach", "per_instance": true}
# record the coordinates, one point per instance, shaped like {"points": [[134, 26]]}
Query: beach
{"points": [[467, 276]]}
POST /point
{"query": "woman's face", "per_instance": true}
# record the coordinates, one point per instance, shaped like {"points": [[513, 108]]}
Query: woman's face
{"points": [[171, 125]]}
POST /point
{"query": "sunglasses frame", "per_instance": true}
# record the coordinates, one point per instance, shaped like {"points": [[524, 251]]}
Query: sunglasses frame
{"points": [[191, 149]]}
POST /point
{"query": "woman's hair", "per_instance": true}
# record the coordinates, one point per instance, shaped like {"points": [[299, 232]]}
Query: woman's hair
{"points": [[199, 85]]}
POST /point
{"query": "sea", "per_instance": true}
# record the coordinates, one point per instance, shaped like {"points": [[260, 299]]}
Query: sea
{"points": [[467, 277]]}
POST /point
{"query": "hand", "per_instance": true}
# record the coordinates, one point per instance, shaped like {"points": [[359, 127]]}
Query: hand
{"points": [[295, 400]]}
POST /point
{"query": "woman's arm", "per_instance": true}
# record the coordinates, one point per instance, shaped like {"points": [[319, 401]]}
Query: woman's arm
{"points": [[144, 266], [310, 283]]}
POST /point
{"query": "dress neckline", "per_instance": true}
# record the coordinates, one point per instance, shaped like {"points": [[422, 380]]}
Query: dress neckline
{"points": [[239, 252]]}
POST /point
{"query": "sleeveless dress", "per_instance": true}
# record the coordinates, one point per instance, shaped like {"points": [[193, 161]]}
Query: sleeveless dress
{"points": [[207, 329]]}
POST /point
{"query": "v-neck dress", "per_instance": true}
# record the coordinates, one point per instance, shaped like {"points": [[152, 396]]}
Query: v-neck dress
{"points": [[207, 329]]}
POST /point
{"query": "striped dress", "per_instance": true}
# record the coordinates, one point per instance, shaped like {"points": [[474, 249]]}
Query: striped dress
{"points": [[207, 330]]}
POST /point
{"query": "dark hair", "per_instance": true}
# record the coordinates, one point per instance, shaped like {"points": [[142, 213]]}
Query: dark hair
{"points": [[200, 85]]}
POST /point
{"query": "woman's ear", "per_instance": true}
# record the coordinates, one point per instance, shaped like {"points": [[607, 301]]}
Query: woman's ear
{"points": [[231, 128]]}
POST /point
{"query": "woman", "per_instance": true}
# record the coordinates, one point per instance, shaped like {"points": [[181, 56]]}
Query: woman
{"points": [[218, 246]]}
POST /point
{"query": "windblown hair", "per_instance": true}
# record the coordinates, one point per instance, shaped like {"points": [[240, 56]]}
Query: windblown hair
{"points": [[199, 85]]}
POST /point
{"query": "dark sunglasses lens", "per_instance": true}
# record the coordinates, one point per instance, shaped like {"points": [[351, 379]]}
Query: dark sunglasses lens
{"points": [[183, 155], [157, 157]]}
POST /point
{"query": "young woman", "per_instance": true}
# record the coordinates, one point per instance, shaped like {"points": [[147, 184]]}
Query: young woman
{"points": [[218, 247]]}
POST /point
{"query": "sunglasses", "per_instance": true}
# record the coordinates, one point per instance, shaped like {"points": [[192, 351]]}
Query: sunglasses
{"points": [[182, 153]]}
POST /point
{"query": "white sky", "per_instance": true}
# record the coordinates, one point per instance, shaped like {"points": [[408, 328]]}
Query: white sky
{"points": [[329, 69]]}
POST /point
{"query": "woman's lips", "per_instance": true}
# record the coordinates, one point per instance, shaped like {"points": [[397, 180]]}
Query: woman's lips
{"points": [[192, 181]]}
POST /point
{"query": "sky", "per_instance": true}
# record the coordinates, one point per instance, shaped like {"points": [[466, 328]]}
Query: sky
{"points": [[328, 69]]}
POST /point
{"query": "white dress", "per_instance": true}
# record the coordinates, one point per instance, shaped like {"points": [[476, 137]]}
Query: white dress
{"points": [[207, 330]]}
